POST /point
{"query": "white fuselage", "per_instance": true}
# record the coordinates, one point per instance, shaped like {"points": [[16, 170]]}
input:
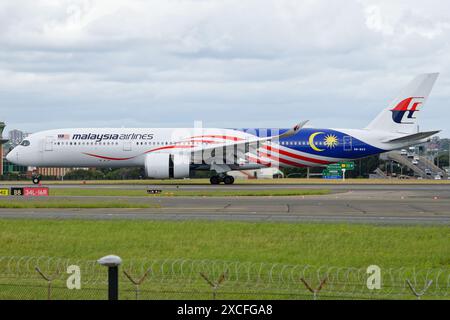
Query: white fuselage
{"points": [[128, 147]]}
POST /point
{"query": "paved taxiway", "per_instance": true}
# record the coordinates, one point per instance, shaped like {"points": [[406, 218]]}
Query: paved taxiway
{"points": [[383, 204]]}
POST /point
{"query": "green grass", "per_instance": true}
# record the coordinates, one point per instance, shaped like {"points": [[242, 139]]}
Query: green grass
{"points": [[68, 204], [277, 244], [184, 193], [313, 244]]}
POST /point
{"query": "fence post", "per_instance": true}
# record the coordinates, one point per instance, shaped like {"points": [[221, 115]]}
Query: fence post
{"points": [[49, 281], [215, 285], [314, 291], [137, 282], [415, 292], [112, 262]]}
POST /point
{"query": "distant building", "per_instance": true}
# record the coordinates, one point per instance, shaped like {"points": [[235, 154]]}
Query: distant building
{"points": [[2, 142], [53, 172], [11, 168], [433, 145], [16, 137]]}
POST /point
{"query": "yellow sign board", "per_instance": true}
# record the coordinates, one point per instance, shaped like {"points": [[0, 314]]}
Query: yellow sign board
{"points": [[4, 192]]}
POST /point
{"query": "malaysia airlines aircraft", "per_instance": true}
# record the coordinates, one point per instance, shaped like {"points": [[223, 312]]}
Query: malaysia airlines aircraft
{"points": [[167, 153]]}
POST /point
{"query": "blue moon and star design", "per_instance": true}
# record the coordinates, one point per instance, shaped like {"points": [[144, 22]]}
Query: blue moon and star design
{"points": [[335, 144]]}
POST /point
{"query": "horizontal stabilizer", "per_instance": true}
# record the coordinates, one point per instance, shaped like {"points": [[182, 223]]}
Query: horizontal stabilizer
{"points": [[413, 137]]}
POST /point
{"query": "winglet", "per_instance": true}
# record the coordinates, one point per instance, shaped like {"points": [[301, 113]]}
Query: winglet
{"points": [[294, 130]]}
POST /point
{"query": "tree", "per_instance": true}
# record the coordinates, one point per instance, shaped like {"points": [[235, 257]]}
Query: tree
{"points": [[83, 174]]}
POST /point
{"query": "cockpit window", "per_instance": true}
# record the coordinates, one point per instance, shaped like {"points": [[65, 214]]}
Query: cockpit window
{"points": [[25, 143]]}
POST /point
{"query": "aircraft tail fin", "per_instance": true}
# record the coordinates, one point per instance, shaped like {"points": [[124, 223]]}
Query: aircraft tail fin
{"points": [[401, 115]]}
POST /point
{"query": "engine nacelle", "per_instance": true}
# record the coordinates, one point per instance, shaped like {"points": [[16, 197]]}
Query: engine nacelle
{"points": [[166, 165]]}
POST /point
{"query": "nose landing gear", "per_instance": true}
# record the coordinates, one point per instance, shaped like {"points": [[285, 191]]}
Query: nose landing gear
{"points": [[222, 178], [36, 178]]}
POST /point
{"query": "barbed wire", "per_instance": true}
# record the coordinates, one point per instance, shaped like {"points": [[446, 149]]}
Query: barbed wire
{"points": [[148, 276]]}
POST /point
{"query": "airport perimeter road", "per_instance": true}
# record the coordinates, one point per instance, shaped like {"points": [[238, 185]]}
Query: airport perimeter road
{"points": [[354, 206]]}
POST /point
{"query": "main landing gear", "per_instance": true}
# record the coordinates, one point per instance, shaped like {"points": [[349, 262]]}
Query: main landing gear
{"points": [[224, 178]]}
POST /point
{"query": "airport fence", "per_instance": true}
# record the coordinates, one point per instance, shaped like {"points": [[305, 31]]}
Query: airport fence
{"points": [[56, 278]]}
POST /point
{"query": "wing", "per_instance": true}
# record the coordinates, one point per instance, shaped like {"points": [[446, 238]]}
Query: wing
{"points": [[246, 144]]}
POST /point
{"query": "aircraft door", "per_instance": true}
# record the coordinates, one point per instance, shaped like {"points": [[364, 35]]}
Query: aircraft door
{"points": [[48, 145], [348, 143], [127, 146]]}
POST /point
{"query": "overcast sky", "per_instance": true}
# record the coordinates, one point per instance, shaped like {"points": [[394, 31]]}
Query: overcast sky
{"points": [[229, 63]]}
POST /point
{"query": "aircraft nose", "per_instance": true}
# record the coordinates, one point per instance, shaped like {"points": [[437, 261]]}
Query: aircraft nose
{"points": [[10, 156]]}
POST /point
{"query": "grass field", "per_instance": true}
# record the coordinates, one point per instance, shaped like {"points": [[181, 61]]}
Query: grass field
{"points": [[280, 247], [314, 244], [184, 193], [238, 181]]}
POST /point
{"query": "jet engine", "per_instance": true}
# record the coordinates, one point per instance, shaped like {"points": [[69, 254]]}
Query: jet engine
{"points": [[166, 165]]}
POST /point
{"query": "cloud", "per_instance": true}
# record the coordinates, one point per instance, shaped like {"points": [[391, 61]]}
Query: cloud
{"points": [[230, 63]]}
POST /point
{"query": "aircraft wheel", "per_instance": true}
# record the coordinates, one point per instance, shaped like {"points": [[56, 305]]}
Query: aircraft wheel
{"points": [[36, 180], [228, 180], [215, 180]]}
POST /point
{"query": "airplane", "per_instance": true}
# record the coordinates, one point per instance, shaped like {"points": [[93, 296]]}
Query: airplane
{"points": [[166, 153]]}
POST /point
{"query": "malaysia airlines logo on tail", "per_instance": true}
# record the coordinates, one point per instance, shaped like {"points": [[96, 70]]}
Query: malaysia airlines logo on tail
{"points": [[407, 107]]}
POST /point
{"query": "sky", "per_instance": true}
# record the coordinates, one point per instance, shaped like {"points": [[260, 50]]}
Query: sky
{"points": [[227, 63]]}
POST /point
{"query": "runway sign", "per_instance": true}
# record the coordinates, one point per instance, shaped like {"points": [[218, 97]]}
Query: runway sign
{"points": [[35, 192], [30, 191], [4, 192], [333, 177], [153, 191], [16, 191]]}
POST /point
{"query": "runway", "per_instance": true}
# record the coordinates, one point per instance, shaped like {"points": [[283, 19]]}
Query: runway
{"points": [[373, 204], [207, 187]]}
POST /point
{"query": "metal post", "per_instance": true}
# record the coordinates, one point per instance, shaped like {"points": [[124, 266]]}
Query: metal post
{"points": [[360, 168], [311, 289], [113, 263], [49, 281], [137, 282], [113, 283], [215, 285], [417, 293]]}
